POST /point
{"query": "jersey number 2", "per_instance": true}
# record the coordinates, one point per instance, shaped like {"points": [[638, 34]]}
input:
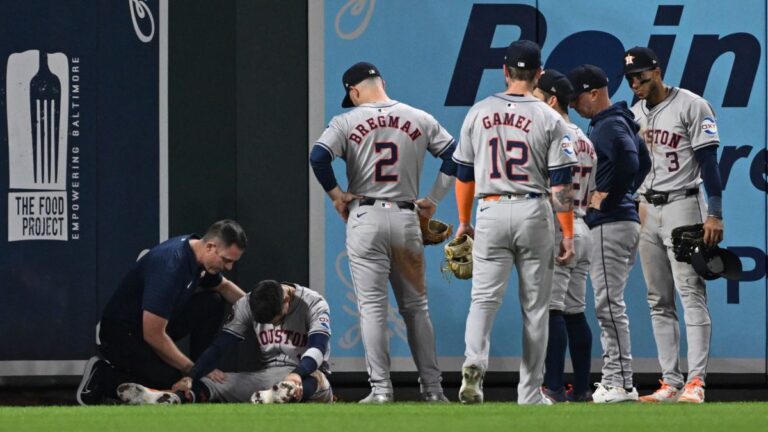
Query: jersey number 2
{"points": [[518, 155], [379, 175]]}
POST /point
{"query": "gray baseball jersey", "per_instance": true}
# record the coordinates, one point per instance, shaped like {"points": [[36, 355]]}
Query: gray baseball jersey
{"points": [[283, 344], [673, 130], [384, 144], [569, 286], [512, 142]]}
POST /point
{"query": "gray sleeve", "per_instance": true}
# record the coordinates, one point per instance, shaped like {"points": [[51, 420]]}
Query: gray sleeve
{"points": [[240, 319], [701, 124], [465, 153], [319, 317], [561, 152], [439, 138], [333, 137]]}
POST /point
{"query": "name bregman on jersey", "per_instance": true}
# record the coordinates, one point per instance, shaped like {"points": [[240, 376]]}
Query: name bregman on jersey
{"points": [[661, 137], [509, 119], [280, 336], [387, 121]]}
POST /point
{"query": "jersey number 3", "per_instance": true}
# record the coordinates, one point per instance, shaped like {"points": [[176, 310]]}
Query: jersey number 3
{"points": [[517, 152], [384, 162]]}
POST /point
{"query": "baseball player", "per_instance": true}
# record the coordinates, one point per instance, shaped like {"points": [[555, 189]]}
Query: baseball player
{"points": [[568, 325], [292, 327], [622, 162], [681, 131], [173, 291], [383, 142], [513, 150]]}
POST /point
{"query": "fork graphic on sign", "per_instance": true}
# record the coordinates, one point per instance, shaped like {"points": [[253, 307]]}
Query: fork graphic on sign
{"points": [[37, 101]]}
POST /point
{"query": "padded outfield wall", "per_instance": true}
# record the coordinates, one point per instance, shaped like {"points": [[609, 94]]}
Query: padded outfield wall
{"points": [[443, 56]]}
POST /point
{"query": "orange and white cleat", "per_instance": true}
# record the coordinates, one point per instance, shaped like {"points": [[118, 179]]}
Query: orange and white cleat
{"points": [[693, 391], [665, 394]]}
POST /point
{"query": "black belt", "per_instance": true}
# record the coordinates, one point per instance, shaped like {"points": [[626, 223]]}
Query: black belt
{"points": [[658, 197], [405, 205]]}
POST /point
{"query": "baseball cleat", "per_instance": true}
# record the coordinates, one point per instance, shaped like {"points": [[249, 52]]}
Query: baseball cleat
{"points": [[611, 394], [693, 392], [572, 396], [434, 397], [554, 395], [377, 398], [282, 392], [471, 390], [91, 391], [665, 394], [137, 394]]}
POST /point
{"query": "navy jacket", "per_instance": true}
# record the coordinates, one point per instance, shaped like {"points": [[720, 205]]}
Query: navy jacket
{"points": [[622, 164]]}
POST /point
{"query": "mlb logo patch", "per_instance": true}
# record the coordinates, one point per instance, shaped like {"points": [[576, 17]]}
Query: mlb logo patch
{"points": [[386, 205]]}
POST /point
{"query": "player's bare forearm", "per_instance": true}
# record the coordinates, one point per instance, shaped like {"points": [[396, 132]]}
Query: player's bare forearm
{"points": [[465, 228], [562, 197], [155, 335], [713, 230], [229, 291], [426, 207]]}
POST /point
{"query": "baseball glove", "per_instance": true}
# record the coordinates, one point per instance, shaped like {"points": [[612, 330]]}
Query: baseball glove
{"points": [[686, 240], [282, 392], [434, 231], [458, 257]]}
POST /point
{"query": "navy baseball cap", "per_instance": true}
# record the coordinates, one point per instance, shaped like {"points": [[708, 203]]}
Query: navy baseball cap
{"points": [[553, 82], [523, 54], [585, 78], [355, 74], [639, 59]]}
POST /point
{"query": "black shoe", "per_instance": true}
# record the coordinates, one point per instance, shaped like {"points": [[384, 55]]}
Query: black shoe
{"points": [[91, 389]]}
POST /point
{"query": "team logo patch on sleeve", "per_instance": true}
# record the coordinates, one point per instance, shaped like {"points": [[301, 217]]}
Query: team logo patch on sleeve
{"points": [[567, 145], [709, 126]]}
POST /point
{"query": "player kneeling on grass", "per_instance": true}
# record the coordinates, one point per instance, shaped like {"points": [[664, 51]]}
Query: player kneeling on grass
{"points": [[292, 327]]}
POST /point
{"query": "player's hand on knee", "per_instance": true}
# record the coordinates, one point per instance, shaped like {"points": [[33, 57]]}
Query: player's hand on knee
{"points": [[713, 231], [217, 376], [566, 252], [426, 208], [465, 228]]}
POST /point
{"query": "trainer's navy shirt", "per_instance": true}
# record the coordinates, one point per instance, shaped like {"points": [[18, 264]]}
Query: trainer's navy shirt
{"points": [[161, 282], [622, 159]]}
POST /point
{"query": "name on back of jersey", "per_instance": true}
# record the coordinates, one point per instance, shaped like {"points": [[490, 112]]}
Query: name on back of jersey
{"points": [[507, 119], [388, 121]]}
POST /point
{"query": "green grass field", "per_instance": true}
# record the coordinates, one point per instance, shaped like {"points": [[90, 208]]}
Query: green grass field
{"points": [[400, 417]]}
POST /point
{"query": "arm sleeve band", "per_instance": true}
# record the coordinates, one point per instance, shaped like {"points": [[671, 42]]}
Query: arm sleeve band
{"points": [[313, 356], [448, 166], [208, 360], [465, 194], [710, 173], [465, 173], [321, 159], [566, 223], [561, 176], [442, 185]]}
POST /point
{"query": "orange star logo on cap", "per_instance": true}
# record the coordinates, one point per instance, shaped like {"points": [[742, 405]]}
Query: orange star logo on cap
{"points": [[629, 59]]}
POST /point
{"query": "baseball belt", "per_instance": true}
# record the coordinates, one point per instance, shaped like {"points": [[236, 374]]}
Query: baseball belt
{"points": [[658, 198], [405, 205], [511, 197]]}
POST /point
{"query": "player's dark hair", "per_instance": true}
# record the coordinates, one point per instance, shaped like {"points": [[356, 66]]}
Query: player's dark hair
{"points": [[521, 74], [228, 232], [266, 300], [563, 104]]}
